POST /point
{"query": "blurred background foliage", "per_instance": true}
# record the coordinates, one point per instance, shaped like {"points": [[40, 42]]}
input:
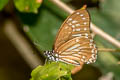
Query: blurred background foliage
{"points": [[40, 21]]}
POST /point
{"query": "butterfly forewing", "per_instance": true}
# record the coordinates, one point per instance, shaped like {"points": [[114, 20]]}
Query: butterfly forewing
{"points": [[74, 43], [75, 25]]}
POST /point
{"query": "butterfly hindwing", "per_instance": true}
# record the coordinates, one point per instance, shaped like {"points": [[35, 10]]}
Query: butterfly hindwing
{"points": [[78, 50]]}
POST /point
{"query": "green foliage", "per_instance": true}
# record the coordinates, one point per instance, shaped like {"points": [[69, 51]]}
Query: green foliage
{"points": [[53, 71], [3, 3], [27, 5], [106, 62], [42, 28], [112, 9]]}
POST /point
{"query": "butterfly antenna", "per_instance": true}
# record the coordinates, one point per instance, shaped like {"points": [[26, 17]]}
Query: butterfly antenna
{"points": [[47, 61]]}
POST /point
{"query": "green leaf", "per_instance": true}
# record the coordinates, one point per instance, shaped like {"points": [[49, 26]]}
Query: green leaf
{"points": [[27, 5], [3, 3], [53, 71]]}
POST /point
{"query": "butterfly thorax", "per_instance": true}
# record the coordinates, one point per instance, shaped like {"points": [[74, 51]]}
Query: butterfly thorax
{"points": [[51, 55]]}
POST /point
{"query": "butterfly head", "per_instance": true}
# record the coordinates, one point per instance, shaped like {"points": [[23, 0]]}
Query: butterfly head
{"points": [[51, 55]]}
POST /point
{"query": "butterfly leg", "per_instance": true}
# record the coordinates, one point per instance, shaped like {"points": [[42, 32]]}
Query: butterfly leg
{"points": [[47, 61]]}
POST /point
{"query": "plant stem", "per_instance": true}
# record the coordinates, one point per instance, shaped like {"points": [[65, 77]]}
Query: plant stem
{"points": [[108, 50]]}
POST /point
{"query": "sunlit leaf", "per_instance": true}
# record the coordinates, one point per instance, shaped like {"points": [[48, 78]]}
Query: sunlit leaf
{"points": [[28, 5], [53, 71]]}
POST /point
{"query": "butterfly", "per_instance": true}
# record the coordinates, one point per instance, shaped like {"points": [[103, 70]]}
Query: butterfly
{"points": [[74, 43]]}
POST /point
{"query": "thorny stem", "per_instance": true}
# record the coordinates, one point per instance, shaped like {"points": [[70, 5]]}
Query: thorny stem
{"points": [[94, 28]]}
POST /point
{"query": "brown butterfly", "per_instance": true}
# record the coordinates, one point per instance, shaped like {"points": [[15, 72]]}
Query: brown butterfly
{"points": [[74, 43]]}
